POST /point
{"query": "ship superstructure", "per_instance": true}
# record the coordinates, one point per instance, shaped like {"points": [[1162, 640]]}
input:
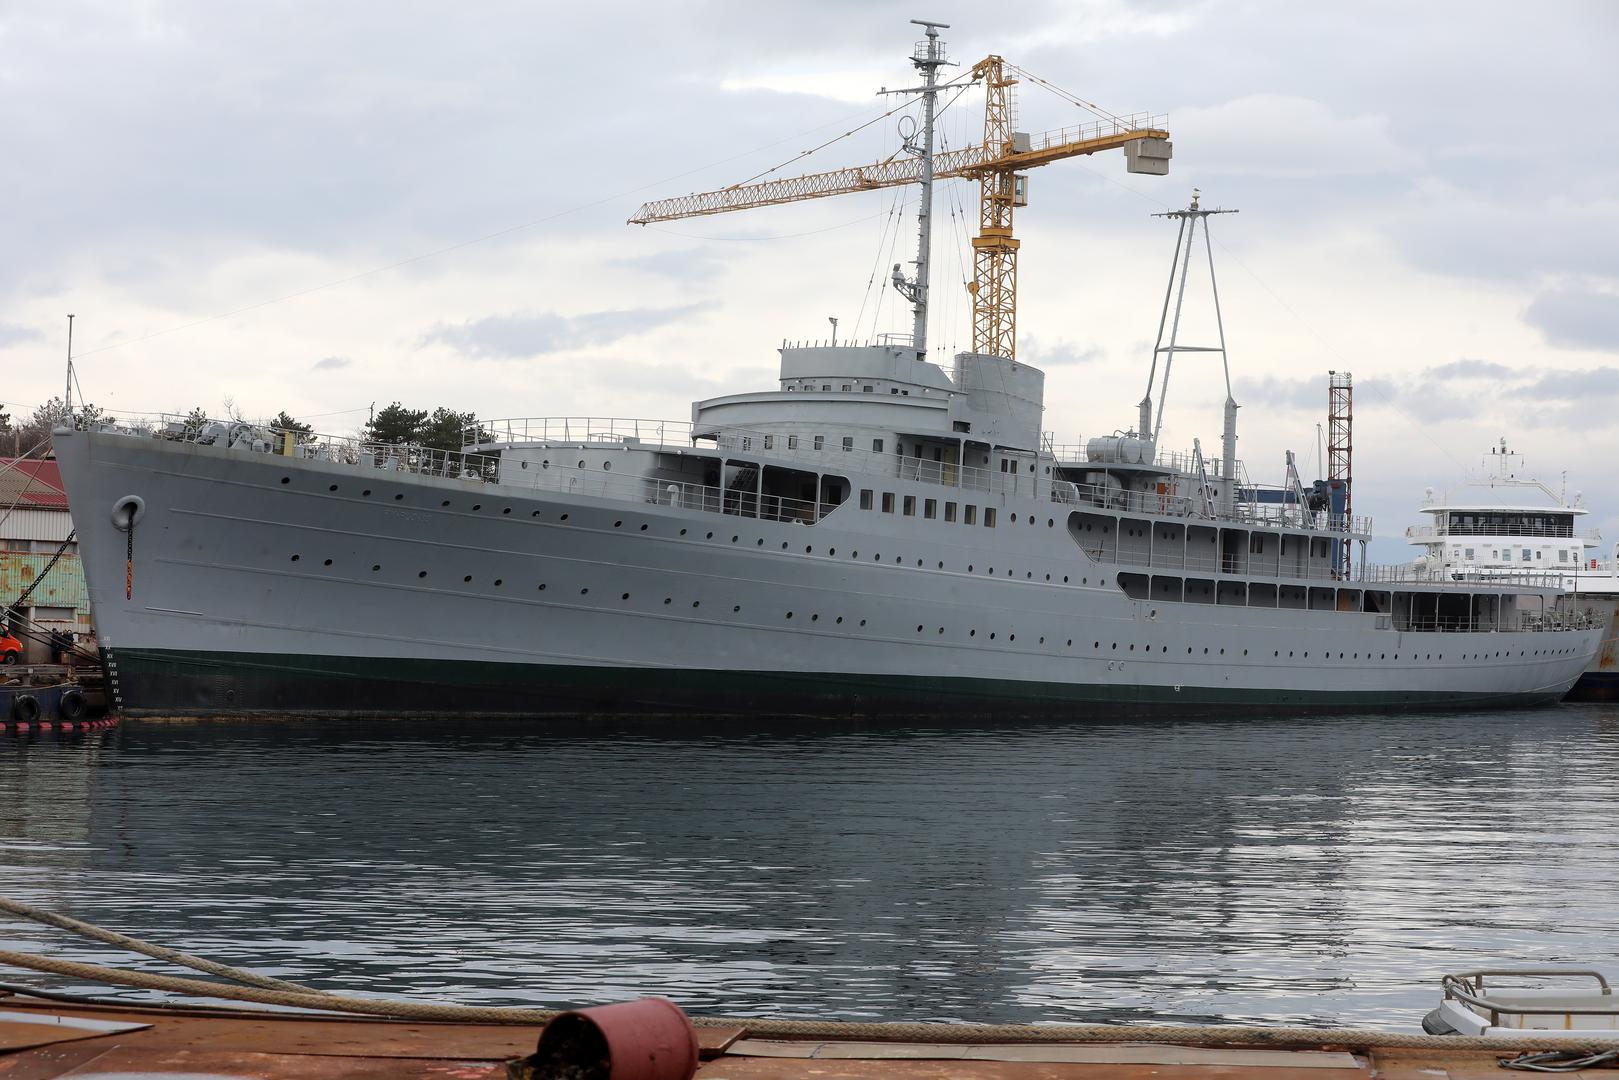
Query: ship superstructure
{"points": [[1503, 523], [873, 536]]}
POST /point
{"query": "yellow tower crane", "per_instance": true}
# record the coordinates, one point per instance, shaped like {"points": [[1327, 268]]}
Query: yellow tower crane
{"points": [[998, 164]]}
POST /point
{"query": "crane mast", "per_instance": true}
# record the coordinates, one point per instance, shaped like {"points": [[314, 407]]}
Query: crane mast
{"points": [[998, 164]]}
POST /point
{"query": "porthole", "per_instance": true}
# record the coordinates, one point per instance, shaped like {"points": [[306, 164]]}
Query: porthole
{"points": [[375, 567], [524, 463], [400, 495], [535, 514], [1050, 523], [328, 562], [581, 464], [696, 603], [759, 542], [467, 579], [667, 600], [789, 614], [295, 558], [446, 502], [734, 539], [833, 551], [784, 545], [607, 466], [497, 582], [423, 573], [710, 536], [1070, 643], [840, 620], [542, 586], [616, 524], [992, 635], [682, 532], [735, 608], [972, 633], [286, 479], [546, 464], [862, 622], [1042, 641], [584, 592], [475, 506], [367, 491], [1011, 637], [332, 488], [1065, 579], [815, 617], [941, 629], [564, 517], [626, 596], [643, 526], [507, 510], [969, 568]]}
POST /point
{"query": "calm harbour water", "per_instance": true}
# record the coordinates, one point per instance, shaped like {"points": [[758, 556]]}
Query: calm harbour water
{"points": [[1316, 870]]}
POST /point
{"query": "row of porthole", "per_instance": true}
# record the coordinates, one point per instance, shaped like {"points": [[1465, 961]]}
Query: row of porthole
{"points": [[1276, 654]]}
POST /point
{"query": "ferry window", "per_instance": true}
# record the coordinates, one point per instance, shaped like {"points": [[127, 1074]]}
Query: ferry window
{"points": [[865, 498], [1525, 554], [893, 390], [770, 442], [1562, 556], [989, 517], [820, 442], [848, 442], [826, 386], [969, 514], [910, 506], [1495, 554], [1469, 553], [844, 387], [792, 442], [865, 389], [907, 393], [888, 502], [960, 425], [747, 442], [930, 508], [950, 511], [877, 446], [1538, 553]]}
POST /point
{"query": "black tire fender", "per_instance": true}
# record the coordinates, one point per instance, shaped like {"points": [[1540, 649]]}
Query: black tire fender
{"points": [[25, 708]]}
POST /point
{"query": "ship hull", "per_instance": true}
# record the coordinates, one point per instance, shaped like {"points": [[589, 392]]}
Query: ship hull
{"points": [[261, 585], [173, 683]]}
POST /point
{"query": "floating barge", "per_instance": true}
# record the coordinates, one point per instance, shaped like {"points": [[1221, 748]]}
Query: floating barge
{"points": [[43, 1038]]}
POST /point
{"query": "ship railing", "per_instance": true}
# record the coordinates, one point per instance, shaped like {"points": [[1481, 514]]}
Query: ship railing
{"points": [[1428, 532], [1432, 576], [579, 429]]}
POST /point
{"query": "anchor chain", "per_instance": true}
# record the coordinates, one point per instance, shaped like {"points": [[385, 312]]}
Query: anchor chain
{"points": [[129, 556]]}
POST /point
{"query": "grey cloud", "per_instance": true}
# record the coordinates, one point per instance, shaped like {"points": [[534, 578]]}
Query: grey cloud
{"points": [[1057, 354], [332, 363], [1574, 385], [691, 266], [518, 336], [13, 334], [1577, 318], [1473, 369]]}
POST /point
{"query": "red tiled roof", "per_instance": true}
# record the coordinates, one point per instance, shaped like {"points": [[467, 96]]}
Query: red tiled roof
{"points": [[31, 482]]}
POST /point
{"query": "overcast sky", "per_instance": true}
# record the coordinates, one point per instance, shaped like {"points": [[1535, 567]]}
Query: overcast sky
{"points": [[318, 206]]}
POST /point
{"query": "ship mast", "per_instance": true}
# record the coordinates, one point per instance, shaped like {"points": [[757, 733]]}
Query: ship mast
{"points": [[929, 58], [1180, 267]]}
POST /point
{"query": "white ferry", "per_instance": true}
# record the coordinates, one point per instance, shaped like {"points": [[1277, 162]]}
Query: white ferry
{"points": [[1505, 524], [873, 536]]}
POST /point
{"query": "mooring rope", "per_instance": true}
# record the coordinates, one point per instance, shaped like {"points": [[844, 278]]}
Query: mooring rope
{"points": [[263, 990]]}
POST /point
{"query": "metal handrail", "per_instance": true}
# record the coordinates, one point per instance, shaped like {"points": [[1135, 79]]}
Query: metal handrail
{"points": [[1469, 987]]}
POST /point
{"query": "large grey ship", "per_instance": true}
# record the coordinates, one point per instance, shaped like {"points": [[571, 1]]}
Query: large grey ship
{"points": [[873, 536]]}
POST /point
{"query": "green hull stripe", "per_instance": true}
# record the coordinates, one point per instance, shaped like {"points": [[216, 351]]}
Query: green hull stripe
{"points": [[186, 683]]}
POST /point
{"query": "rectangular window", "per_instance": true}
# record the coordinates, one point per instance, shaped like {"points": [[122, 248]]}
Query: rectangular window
{"points": [[792, 442], [820, 442], [930, 508], [893, 390], [1538, 553], [770, 442], [865, 498], [888, 502], [865, 389], [950, 511], [989, 517], [845, 388], [826, 386], [1469, 553], [1562, 555], [1525, 554], [877, 446], [969, 514], [747, 442], [910, 506], [848, 442]]}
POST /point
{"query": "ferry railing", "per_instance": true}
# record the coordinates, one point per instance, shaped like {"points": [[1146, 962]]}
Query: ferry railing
{"points": [[1429, 532]]}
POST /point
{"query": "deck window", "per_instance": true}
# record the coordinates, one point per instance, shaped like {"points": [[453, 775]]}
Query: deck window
{"points": [[865, 498], [820, 442], [989, 517], [826, 386], [877, 446], [865, 389], [888, 502], [845, 387], [950, 511], [1467, 553], [848, 442], [792, 442], [969, 514], [910, 506], [770, 442], [930, 508]]}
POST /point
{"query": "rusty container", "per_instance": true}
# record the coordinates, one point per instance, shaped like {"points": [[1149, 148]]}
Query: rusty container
{"points": [[648, 1039]]}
